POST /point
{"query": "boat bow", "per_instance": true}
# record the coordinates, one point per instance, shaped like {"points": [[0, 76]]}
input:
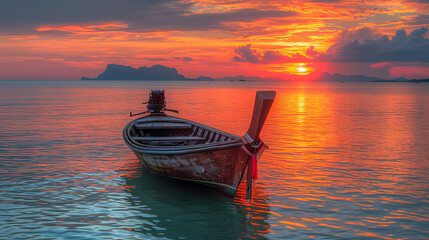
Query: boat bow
{"points": [[251, 141]]}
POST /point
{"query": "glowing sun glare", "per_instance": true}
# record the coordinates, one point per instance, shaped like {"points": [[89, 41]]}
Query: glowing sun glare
{"points": [[301, 69]]}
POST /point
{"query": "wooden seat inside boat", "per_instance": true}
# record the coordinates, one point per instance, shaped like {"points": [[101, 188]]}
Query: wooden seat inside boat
{"points": [[163, 125], [169, 139]]}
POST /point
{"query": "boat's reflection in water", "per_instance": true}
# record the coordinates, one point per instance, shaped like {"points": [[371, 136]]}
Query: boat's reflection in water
{"points": [[178, 209]]}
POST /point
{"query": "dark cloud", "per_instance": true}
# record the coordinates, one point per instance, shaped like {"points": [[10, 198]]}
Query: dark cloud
{"points": [[419, 20], [246, 54], [273, 56], [27, 14], [359, 34], [144, 15], [186, 59], [401, 48], [424, 2], [214, 20], [312, 53]]}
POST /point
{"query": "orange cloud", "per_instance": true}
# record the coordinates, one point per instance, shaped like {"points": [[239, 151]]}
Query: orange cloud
{"points": [[209, 32], [84, 28]]}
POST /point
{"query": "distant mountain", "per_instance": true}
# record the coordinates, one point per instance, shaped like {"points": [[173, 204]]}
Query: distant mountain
{"points": [[121, 72], [156, 73], [420, 80], [338, 77], [405, 80], [161, 73], [201, 78]]}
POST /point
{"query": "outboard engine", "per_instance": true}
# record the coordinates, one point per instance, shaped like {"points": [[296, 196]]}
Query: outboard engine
{"points": [[156, 101], [156, 104]]}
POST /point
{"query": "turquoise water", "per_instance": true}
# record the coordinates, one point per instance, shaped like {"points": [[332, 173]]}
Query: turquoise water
{"points": [[346, 161]]}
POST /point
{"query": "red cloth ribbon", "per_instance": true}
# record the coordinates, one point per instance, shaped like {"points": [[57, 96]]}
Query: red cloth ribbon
{"points": [[254, 167]]}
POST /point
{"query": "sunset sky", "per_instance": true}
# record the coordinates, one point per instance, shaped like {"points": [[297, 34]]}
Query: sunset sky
{"points": [[65, 40]]}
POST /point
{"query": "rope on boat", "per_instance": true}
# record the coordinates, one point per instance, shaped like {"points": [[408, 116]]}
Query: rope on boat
{"points": [[252, 149]]}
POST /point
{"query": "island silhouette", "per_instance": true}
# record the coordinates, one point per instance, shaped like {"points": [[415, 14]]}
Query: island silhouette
{"points": [[162, 73], [121, 72]]}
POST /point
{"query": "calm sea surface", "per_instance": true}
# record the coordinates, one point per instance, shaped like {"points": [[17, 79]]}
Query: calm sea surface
{"points": [[346, 161]]}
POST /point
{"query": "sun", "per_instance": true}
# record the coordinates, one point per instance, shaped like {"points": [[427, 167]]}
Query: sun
{"points": [[301, 69]]}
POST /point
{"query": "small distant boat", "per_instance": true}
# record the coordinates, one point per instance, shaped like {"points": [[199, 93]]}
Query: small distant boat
{"points": [[186, 150]]}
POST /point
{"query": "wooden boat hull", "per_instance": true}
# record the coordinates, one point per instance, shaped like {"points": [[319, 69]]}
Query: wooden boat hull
{"points": [[222, 169], [186, 150]]}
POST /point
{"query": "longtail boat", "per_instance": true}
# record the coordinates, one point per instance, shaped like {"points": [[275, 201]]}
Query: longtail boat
{"points": [[187, 150]]}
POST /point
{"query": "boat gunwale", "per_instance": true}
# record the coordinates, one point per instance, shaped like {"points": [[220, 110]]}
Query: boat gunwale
{"points": [[167, 150]]}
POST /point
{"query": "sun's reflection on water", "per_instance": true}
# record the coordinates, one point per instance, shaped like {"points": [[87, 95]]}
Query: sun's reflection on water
{"points": [[344, 161]]}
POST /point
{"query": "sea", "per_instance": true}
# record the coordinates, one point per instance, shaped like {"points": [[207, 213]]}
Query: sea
{"points": [[345, 161]]}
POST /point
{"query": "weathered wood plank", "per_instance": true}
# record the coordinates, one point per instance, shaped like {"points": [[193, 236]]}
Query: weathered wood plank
{"points": [[160, 119], [169, 139], [163, 125], [263, 102]]}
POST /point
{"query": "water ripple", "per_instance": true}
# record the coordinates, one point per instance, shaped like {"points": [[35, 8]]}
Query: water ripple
{"points": [[345, 162]]}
